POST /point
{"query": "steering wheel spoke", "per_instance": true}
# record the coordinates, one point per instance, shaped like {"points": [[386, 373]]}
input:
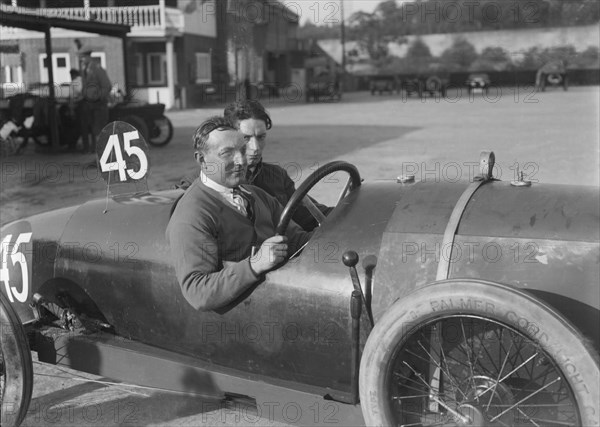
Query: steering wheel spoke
{"points": [[299, 196], [313, 209]]}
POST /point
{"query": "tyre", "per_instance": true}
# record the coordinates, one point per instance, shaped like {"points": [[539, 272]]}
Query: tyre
{"points": [[138, 123], [554, 79], [16, 369], [462, 352], [161, 131]]}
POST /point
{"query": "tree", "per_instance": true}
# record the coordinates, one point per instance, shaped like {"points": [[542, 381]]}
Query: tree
{"points": [[492, 58], [460, 55], [418, 50]]}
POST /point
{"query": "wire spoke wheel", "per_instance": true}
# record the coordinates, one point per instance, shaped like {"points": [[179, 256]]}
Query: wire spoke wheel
{"points": [[476, 353], [467, 370], [16, 369]]}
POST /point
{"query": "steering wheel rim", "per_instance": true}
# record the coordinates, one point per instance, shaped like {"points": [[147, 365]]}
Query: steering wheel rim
{"points": [[309, 183]]}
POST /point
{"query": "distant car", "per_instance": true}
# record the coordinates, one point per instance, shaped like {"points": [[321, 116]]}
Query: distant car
{"points": [[380, 84], [553, 73], [478, 82], [431, 84], [474, 303], [323, 87]]}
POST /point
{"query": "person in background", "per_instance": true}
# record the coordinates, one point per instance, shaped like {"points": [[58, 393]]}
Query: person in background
{"points": [[95, 90], [222, 233]]}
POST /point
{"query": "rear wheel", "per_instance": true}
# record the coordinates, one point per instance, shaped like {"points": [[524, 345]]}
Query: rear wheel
{"points": [[16, 369], [161, 131], [138, 123], [470, 353]]}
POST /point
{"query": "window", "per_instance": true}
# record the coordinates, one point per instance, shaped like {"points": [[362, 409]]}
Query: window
{"points": [[203, 67], [157, 68]]}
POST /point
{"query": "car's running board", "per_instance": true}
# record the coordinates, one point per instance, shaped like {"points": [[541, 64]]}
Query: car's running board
{"points": [[143, 365]]}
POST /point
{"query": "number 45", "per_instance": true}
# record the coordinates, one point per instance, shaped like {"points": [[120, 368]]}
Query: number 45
{"points": [[119, 164], [16, 257]]}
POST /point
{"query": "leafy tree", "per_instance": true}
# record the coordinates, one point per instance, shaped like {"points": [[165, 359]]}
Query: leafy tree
{"points": [[589, 58], [418, 50], [460, 55], [492, 58]]}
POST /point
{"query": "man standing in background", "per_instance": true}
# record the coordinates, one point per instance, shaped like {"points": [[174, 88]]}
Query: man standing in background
{"points": [[95, 92]]}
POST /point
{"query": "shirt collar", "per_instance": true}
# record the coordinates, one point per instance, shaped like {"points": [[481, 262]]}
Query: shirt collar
{"points": [[215, 185]]}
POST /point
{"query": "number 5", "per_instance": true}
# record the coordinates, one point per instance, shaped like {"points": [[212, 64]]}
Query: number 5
{"points": [[16, 257]]}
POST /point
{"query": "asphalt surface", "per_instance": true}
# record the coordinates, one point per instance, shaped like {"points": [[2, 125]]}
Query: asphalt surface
{"points": [[553, 137]]}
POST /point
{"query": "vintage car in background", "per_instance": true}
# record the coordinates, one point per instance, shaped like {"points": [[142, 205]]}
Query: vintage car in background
{"points": [[553, 73], [414, 303], [478, 82], [384, 83], [323, 87], [426, 84], [31, 113]]}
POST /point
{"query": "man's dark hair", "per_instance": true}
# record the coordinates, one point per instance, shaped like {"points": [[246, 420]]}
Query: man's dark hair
{"points": [[247, 109], [203, 131]]}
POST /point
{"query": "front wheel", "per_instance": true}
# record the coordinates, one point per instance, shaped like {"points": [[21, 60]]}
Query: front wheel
{"points": [[161, 131], [16, 369], [462, 352]]}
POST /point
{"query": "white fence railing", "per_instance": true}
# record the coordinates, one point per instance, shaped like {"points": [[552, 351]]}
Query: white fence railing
{"points": [[138, 17]]}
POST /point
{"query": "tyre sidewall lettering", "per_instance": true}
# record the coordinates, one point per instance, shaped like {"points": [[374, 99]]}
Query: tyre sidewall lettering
{"points": [[564, 345]]}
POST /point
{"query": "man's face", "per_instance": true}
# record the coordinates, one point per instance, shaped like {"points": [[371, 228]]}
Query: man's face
{"points": [[86, 59], [255, 135], [225, 159]]}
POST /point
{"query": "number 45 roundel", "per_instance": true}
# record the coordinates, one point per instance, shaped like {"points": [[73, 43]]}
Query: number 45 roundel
{"points": [[122, 154], [16, 257]]}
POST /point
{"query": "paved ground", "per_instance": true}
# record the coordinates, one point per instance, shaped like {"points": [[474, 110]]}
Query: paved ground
{"points": [[553, 137]]}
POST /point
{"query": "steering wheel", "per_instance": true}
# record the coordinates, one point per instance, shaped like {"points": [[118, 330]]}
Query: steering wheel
{"points": [[310, 182]]}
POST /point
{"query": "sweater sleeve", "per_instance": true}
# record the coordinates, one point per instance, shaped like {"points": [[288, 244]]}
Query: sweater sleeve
{"points": [[205, 283]]}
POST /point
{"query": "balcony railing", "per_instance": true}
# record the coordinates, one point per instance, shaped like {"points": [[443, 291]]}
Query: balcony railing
{"points": [[140, 18]]}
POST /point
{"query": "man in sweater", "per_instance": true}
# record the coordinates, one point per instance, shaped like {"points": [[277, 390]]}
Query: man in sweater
{"points": [[221, 234]]}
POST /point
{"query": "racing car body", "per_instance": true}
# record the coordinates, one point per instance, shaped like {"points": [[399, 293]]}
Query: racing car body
{"points": [[413, 302]]}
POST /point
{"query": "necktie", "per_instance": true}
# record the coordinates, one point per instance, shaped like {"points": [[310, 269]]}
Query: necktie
{"points": [[244, 203]]}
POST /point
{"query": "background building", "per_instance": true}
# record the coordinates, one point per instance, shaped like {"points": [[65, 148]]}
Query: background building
{"points": [[180, 53]]}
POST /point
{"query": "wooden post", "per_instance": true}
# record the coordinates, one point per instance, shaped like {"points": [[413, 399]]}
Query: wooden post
{"points": [[53, 137]]}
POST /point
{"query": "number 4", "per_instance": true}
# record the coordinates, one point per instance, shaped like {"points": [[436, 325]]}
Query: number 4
{"points": [[119, 164], [16, 257]]}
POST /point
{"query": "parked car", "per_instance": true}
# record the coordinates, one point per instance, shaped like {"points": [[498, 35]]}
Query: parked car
{"points": [[414, 303], [323, 87], [478, 82], [149, 119], [553, 73], [426, 84], [380, 84]]}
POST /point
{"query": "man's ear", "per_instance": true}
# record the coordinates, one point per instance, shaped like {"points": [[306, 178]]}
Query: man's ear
{"points": [[199, 157]]}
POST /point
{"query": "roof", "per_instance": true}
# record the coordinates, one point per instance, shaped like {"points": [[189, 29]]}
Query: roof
{"points": [[36, 22]]}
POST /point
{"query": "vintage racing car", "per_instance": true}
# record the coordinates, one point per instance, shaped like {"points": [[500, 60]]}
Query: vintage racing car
{"points": [[415, 302]]}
